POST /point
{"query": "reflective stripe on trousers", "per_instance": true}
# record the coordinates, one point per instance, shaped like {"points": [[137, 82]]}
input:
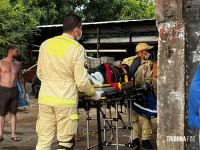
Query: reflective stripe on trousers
{"points": [[52, 119]]}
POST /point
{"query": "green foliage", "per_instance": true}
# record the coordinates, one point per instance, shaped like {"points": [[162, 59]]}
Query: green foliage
{"points": [[19, 18], [17, 24], [71, 6], [52, 12], [45, 9], [102, 10], [138, 9]]}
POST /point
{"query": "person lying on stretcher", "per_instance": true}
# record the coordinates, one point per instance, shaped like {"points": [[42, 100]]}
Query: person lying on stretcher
{"points": [[108, 74]]}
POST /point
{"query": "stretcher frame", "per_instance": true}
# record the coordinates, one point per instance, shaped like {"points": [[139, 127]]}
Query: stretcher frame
{"points": [[108, 119]]}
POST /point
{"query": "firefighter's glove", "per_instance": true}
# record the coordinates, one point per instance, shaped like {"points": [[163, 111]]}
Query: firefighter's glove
{"points": [[145, 86], [97, 95]]}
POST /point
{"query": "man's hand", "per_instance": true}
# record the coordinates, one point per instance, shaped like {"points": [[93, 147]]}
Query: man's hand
{"points": [[97, 95]]}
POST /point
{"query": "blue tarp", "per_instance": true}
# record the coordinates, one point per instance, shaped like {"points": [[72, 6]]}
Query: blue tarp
{"points": [[194, 100]]}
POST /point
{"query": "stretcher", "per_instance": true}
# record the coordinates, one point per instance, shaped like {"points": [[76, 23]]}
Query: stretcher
{"points": [[109, 90], [111, 98]]}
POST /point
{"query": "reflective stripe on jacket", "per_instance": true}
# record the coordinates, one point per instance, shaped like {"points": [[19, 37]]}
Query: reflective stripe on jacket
{"points": [[62, 72]]}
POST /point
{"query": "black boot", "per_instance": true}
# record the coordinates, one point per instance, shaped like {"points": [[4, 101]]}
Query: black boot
{"points": [[135, 144], [146, 144]]}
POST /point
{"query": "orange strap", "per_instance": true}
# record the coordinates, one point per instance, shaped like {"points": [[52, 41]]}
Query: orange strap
{"points": [[155, 68]]}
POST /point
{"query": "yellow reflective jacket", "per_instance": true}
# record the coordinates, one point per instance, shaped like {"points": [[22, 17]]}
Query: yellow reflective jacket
{"points": [[62, 72], [144, 71], [129, 60]]}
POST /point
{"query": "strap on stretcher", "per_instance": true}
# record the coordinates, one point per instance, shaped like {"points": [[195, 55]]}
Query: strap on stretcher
{"points": [[105, 86], [109, 85]]}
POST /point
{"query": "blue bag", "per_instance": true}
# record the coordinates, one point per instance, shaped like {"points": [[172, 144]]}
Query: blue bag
{"points": [[194, 100], [146, 104], [21, 101]]}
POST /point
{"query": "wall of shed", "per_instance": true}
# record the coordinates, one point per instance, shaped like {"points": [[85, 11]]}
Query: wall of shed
{"points": [[171, 74]]}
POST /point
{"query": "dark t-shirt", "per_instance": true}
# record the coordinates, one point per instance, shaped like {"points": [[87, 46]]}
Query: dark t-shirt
{"points": [[135, 64]]}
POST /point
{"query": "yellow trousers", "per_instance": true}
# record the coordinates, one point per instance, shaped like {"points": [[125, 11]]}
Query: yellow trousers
{"points": [[146, 126], [52, 120]]}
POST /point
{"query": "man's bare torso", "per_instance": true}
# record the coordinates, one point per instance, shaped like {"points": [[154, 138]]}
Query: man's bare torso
{"points": [[9, 72]]}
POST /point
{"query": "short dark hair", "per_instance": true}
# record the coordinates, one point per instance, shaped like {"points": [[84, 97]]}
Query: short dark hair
{"points": [[12, 46], [71, 21]]}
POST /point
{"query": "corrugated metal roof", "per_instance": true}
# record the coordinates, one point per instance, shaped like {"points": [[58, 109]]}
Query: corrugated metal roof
{"points": [[101, 23]]}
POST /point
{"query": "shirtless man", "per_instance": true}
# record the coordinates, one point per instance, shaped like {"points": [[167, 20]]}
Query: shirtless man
{"points": [[10, 73]]}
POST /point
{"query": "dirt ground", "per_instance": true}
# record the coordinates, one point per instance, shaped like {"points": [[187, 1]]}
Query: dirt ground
{"points": [[26, 130]]}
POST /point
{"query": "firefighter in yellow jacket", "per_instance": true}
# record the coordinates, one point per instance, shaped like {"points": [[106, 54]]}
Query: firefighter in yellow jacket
{"points": [[62, 74], [142, 70]]}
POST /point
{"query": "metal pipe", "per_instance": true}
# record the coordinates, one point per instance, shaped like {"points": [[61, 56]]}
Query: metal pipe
{"points": [[106, 50], [104, 123], [26, 70], [88, 138], [98, 41], [117, 135], [111, 122], [100, 147], [131, 113]]}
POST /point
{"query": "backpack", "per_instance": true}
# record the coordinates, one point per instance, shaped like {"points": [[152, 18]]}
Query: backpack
{"points": [[145, 102]]}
